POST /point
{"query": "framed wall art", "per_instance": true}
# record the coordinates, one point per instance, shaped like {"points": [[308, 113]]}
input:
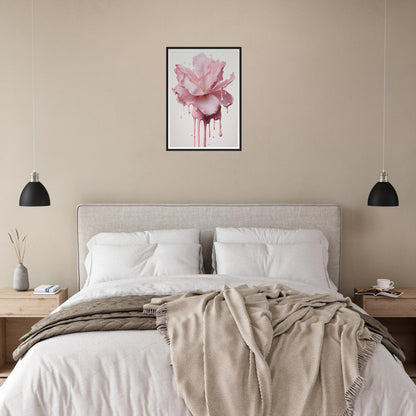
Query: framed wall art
{"points": [[203, 98]]}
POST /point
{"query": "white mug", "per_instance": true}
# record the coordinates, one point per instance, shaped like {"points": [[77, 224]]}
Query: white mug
{"points": [[385, 284]]}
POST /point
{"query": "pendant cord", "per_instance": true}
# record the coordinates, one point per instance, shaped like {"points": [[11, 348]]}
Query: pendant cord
{"points": [[33, 92], [384, 80]]}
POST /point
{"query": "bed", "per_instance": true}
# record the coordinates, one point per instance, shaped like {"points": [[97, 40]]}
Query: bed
{"points": [[128, 372]]}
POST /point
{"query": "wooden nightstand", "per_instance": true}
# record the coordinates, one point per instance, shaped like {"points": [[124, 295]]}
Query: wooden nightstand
{"points": [[18, 312], [399, 316]]}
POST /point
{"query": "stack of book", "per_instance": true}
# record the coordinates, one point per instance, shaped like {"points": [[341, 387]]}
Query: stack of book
{"points": [[391, 293], [47, 290]]}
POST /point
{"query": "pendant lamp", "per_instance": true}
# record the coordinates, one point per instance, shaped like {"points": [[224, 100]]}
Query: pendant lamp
{"points": [[34, 194], [383, 193]]}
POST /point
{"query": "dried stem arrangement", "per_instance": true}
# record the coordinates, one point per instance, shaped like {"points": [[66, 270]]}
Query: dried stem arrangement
{"points": [[18, 244]]}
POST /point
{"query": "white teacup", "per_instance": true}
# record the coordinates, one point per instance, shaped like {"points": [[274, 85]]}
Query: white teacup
{"points": [[385, 284]]}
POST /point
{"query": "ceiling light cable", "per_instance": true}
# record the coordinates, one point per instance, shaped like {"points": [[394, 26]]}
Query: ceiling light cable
{"points": [[33, 93]]}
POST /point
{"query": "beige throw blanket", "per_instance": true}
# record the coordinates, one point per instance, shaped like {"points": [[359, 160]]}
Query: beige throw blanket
{"points": [[265, 351]]}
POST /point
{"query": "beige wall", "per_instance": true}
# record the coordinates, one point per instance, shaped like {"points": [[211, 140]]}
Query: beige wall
{"points": [[312, 99]]}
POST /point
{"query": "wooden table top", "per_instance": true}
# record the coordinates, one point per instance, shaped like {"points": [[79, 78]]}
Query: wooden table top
{"points": [[10, 293]]}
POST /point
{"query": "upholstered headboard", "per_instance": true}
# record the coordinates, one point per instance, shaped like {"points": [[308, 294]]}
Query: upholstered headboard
{"points": [[96, 218]]}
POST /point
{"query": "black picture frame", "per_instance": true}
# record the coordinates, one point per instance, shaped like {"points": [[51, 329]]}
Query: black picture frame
{"points": [[237, 111]]}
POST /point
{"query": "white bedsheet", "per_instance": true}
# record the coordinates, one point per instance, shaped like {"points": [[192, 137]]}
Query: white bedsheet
{"points": [[128, 373]]}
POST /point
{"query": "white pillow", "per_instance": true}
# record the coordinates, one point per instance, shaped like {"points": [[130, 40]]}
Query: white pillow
{"points": [[115, 262], [190, 235], [182, 236], [302, 262], [272, 236]]}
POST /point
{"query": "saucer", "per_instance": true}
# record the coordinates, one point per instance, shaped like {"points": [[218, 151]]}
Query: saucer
{"points": [[391, 287]]}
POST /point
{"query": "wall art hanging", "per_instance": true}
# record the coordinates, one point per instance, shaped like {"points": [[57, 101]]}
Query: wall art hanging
{"points": [[203, 98]]}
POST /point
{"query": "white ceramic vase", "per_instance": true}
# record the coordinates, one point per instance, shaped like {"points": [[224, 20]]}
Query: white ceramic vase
{"points": [[21, 278]]}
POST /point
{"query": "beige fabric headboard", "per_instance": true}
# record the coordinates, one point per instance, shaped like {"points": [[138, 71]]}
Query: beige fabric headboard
{"points": [[96, 218]]}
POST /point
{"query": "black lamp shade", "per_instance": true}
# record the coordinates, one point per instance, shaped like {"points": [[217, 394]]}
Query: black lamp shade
{"points": [[383, 195], [34, 194]]}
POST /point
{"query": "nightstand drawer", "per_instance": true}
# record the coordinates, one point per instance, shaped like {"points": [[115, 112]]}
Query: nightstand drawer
{"points": [[28, 306], [389, 308]]}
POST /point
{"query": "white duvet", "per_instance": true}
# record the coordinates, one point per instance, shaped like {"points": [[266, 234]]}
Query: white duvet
{"points": [[128, 373]]}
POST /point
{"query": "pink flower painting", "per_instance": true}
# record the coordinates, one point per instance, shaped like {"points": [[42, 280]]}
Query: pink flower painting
{"points": [[203, 92]]}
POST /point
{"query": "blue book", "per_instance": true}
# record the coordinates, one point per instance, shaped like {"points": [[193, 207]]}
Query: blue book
{"points": [[47, 290]]}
